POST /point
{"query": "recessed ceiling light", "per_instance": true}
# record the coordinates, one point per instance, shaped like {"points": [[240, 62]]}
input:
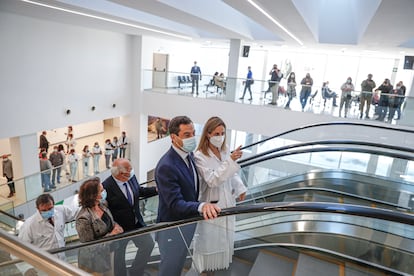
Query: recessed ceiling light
{"points": [[106, 19], [277, 23]]}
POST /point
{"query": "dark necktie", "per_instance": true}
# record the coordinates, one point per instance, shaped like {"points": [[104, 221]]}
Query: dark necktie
{"points": [[191, 169], [129, 197], [51, 221]]}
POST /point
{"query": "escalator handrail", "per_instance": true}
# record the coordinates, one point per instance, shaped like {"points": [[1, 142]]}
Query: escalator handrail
{"points": [[10, 216], [328, 142], [334, 192], [328, 149], [323, 207], [327, 124]]}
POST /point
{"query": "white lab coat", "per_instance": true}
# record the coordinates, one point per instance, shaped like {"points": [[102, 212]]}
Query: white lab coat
{"points": [[42, 233], [214, 239]]}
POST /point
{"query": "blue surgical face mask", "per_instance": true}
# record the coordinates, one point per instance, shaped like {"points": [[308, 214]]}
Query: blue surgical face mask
{"points": [[103, 195], [48, 214], [189, 144]]}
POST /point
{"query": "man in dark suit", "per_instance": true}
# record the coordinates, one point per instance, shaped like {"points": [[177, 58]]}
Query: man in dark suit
{"points": [[195, 76], [123, 192], [177, 182]]}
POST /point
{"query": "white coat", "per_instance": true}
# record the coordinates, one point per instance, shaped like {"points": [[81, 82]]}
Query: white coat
{"points": [[214, 239]]}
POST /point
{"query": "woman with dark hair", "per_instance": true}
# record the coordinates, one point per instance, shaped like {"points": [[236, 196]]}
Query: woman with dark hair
{"points": [[94, 221], [220, 183], [291, 88]]}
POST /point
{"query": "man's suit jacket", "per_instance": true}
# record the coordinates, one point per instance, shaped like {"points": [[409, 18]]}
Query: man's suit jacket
{"points": [[125, 214], [178, 198]]}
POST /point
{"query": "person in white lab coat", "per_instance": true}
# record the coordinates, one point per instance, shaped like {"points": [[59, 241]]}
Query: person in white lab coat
{"points": [[45, 228], [220, 183]]}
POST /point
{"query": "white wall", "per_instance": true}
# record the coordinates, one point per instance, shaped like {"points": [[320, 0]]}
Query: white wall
{"points": [[48, 67]]}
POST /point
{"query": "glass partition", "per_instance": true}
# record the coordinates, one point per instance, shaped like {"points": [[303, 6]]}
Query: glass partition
{"points": [[225, 242], [396, 109]]}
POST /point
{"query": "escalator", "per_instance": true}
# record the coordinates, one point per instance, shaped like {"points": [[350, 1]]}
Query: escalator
{"points": [[298, 218]]}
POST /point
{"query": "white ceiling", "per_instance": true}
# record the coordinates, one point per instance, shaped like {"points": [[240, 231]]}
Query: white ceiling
{"points": [[371, 25]]}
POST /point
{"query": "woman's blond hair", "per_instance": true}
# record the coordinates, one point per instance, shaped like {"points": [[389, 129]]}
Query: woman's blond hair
{"points": [[210, 125]]}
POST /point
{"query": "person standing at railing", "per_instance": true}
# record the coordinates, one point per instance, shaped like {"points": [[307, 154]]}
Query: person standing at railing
{"points": [[56, 159], [220, 183], [386, 89], [45, 228], [178, 187], [62, 152], [86, 158], [275, 77], [8, 174], [123, 193], [247, 83], [401, 97], [195, 77], [291, 89], [367, 87], [46, 169], [306, 83], [73, 159], [123, 144], [96, 153], [109, 150], [346, 96], [115, 147]]}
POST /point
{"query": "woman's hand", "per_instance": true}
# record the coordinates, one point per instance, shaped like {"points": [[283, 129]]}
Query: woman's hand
{"points": [[236, 154], [117, 229], [242, 196]]}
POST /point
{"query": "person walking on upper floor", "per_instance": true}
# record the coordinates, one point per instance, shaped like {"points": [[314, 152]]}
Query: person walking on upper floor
{"points": [[159, 127], [109, 150], [195, 77], [43, 142], [123, 144], [123, 193], [73, 159], [220, 183], [291, 88], [46, 170], [327, 93], [247, 83], [178, 187], [306, 83], [96, 153], [367, 87], [8, 174], [86, 158], [275, 77], [346, 96], [56, 159], [46, 227], [386, 89]]}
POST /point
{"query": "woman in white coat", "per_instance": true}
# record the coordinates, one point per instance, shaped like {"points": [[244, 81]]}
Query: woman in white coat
{"points": [[220, 183]]}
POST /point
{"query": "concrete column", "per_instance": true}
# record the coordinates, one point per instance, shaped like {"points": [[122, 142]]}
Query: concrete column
{"points": [[132, 123], [232, 72], [25, 157], [372, 164], [398, 168]]}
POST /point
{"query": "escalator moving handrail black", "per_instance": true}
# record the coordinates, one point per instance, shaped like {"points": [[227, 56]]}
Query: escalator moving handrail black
{"points": [[328, 142], [323, 207], [327, 124], [293, 152], [10, 216]]}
